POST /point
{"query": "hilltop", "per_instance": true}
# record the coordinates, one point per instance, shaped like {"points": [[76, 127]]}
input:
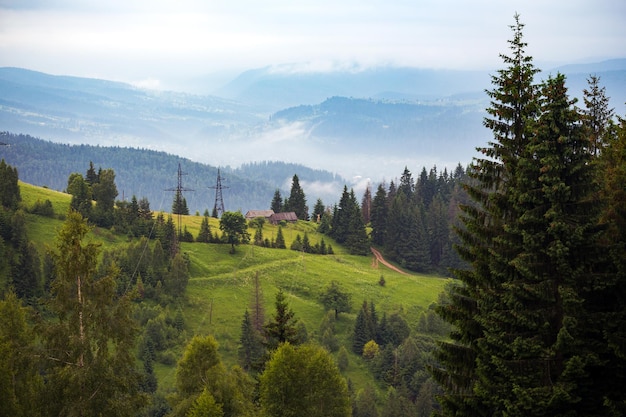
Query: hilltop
{"points": [[221, 285]]}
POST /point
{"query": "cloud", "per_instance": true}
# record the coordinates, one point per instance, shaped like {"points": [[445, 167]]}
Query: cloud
{"points": [[148, 84], [130, 40]]}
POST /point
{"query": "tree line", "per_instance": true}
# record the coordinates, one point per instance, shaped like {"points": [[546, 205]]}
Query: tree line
{"points": [[538, 313]]}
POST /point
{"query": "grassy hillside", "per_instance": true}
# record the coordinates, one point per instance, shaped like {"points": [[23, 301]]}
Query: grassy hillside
{"points": [[221, 284]]}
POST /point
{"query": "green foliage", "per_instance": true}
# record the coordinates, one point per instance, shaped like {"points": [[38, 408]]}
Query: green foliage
{"points": [[81, 194], [365, 327], [93, 330], [20, 379], [334, 298], [347, 224], [282, 328], [42, 208], [277, 202], [297, 200], [524, 342], [301, 381], [234, 226], [201, 371], [280, 239], [205, 406], [179, 205], [251, 351], [9, 189]]}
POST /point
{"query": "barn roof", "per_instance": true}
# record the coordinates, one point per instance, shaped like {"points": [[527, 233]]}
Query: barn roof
{"points": [[253, 214], [288, 216]]}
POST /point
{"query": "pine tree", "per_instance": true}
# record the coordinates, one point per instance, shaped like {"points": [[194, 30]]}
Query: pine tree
{"points": [[280, 239], [297, 200], [20, 377], [318, 210], [89, 346], [282, 327], [513, 108], [104, 193], [610, 294], [277, 202], [378, 216], [9, 188], [407, 186], [597, 114], [250, 349], [542, 361], [204, 235], [179, 205]]}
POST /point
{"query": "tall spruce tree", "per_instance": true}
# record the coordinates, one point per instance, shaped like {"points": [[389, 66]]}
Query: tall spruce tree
{"points": [[9, 188], [277, 202], [297, 200], [597, 114], [378, 217], [513, 108], [282, 327], [611, 294]]}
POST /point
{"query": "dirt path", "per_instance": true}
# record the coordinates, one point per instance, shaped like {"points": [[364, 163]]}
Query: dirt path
{"points": [[379, 258]]}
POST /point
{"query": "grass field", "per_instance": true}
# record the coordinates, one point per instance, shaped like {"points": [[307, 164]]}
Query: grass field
{"points": [[221, 284]]}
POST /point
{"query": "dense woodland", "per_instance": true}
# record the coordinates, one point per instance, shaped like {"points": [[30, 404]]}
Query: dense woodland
{"points": [[534, 231], [148, 174]]}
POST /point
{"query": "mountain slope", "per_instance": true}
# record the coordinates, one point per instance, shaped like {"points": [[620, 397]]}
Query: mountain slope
{"points": [[80, 110], [147, 173]]}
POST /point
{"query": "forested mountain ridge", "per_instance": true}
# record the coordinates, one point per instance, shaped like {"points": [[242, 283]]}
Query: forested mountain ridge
{"points": [[386, 126], [148, 173]]}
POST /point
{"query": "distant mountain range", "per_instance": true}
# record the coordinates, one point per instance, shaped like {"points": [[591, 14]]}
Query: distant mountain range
{"points": [[357, 123]]}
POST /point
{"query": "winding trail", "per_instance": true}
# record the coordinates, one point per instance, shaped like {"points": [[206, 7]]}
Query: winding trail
{"points": [[378, 257]]}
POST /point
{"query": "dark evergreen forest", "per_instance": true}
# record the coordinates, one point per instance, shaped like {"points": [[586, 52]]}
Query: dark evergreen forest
{"points": [[147, 174], [533, 230]]}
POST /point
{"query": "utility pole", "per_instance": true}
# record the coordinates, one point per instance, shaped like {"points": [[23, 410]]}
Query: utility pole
{"points": [[218, 208], [179, 194]]}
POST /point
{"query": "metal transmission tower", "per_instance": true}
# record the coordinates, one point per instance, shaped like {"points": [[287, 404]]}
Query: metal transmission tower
{"points": [[218, 208], [179, 194]]}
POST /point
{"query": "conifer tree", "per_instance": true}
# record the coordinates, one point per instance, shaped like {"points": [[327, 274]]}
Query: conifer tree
{"points": [[378, 217], [513, 108], [597, 114], [89, 346], [251, 350], [204, 235], [9, 188], [277, 202], [318, 210], [20, 378], [297, 200], [611, 290], [280, 239], [282, 328]]}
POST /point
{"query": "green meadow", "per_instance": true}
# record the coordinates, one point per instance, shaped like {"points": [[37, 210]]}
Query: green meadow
{"points": [[221, 285]]}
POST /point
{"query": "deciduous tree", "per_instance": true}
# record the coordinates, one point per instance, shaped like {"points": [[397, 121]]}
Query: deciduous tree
{"points": [[234, 226], [333, 298], [303, 381]]}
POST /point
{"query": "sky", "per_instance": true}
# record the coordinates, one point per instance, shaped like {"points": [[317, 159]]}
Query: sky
{"points": [[164, 44]]}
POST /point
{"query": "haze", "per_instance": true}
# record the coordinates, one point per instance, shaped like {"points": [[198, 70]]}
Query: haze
{"points": [[178, 44]]}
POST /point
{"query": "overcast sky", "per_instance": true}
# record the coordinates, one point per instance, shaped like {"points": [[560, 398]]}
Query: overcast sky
{"points": [[161, 43]]}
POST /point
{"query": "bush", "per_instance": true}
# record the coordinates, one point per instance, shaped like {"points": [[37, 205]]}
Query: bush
{"points": [[43, 208]]}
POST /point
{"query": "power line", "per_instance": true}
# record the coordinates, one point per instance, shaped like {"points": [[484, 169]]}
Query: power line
{"points": [[179, 194], [219, 199]]}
